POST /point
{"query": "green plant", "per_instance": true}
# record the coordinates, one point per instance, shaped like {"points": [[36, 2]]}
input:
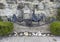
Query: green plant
{"points": [[5, 28], [1, 19], [55, 28], [58, 14]]}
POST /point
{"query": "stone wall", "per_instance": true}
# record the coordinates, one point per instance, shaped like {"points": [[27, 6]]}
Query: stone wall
{"points": [[11, 9]]}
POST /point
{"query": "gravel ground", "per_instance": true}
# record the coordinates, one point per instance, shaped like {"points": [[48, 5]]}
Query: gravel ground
{"points": [[28, 39]]}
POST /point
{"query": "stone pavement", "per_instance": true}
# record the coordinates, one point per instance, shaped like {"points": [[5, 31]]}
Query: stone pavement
{"points": [[43, 29], [28, 39], [57, 38]]}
